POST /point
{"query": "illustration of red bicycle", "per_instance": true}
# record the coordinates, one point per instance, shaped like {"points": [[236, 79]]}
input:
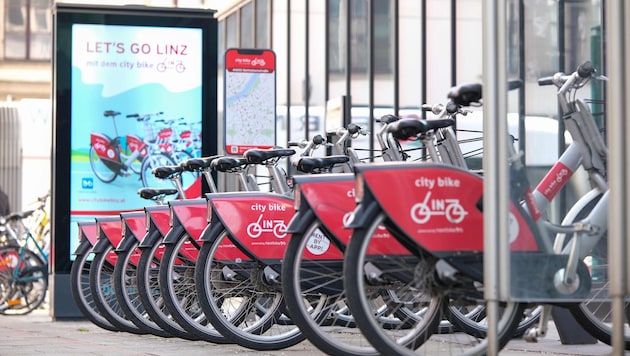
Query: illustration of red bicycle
{"points": [[110, 158], [451, 208], [278, 227]]}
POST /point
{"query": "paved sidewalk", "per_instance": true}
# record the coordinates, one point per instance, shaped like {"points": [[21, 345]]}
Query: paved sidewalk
{"points": [[38, 334]]}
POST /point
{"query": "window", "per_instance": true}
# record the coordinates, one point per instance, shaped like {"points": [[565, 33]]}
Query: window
{"points": [[359, 35], [27, 30], [247, 26]]}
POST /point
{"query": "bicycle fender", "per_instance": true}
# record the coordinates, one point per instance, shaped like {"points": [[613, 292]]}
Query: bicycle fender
{"points": [[175, 234], [127, 243], [210, 232], [151, 238], [300, 220], [361, 215], [101, 246], [83, 248]]}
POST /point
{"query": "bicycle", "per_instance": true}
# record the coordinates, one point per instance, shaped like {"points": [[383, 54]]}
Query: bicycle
{"points": [[441, 263], [312, 266], [23, 267]]}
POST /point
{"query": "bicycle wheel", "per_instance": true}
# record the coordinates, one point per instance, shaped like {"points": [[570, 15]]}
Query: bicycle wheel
{"points": [[177, 285], [149, 288], [372, 267], [80, 288], [125, 279], [313, 292], [239, 297], [24, 280], [594, 314], [151, 162], [101, 169], [102, 289]]}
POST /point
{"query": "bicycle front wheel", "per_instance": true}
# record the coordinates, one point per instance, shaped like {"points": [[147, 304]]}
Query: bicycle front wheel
{"points": [[80, 287], [313, 291], [238, 298], [177, 285], [23, 279]]}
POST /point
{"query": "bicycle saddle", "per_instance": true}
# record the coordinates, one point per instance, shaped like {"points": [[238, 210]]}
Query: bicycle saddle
{"points": [[405, 129], [388, 119], [465, 94], [227, 164], [110, 113], [198, 164], [316, 164], [150, 193], [256, 156], [164, 172]]}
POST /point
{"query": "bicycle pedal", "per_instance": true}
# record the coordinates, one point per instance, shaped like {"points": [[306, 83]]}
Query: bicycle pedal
{"points": [[124, 173]]}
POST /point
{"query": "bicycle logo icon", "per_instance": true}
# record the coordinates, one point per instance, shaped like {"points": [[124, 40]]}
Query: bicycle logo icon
{"points": [[450, 208], [277, 227]]}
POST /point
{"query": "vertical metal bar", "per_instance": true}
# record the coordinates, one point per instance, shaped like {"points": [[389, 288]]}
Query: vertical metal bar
{"points": [[619, 209], [453, 42], [288, 70], [307, 120], [521, 75], [370, 20], [562, 201], [496, 194], [396, 58], [348, 104], [423, 56], [326, 50]]}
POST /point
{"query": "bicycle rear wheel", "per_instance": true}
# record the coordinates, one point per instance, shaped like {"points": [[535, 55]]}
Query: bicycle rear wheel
{"points": [[23, 279], [151, 162], [104, 171]]}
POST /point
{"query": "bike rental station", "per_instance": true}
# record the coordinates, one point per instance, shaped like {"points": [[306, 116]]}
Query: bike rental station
{"points": [[401, 250]]}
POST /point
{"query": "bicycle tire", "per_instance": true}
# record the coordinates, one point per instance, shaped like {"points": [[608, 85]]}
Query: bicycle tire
{"points": [[125, 278], [101, 170], [102, 289], [149, 289], [177, 285], [595, 313], [149, 163], [310, 296], [413, 339], [80, 288], [29, 291], [241, 306]]}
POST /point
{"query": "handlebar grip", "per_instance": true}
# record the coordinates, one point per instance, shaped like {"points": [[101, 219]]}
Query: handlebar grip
{"points": [[318, 140], [545, 81], [292, 144], [585, 69], [427, 107], [451, 107], [353, 128], [133, 115]]}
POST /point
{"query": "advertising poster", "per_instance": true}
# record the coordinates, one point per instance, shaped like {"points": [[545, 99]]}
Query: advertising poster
{"points": [[250, 100], [136, 104]]}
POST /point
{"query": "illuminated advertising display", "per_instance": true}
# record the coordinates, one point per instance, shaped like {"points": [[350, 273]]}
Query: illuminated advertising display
{"points": [[135, 89]]}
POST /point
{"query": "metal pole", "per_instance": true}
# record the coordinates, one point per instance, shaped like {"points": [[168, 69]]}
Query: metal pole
{"points": [[619, 211], [307, 82], [496, 194]]}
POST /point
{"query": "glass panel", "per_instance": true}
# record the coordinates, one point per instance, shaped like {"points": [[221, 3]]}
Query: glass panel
{"points": [[231, 32], [40, 46], [247, 26], [262, 24], [14, 45]]}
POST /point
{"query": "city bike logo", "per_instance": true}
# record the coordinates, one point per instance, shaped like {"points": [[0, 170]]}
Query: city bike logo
{"points": [[277, 227], [450, 208]]}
